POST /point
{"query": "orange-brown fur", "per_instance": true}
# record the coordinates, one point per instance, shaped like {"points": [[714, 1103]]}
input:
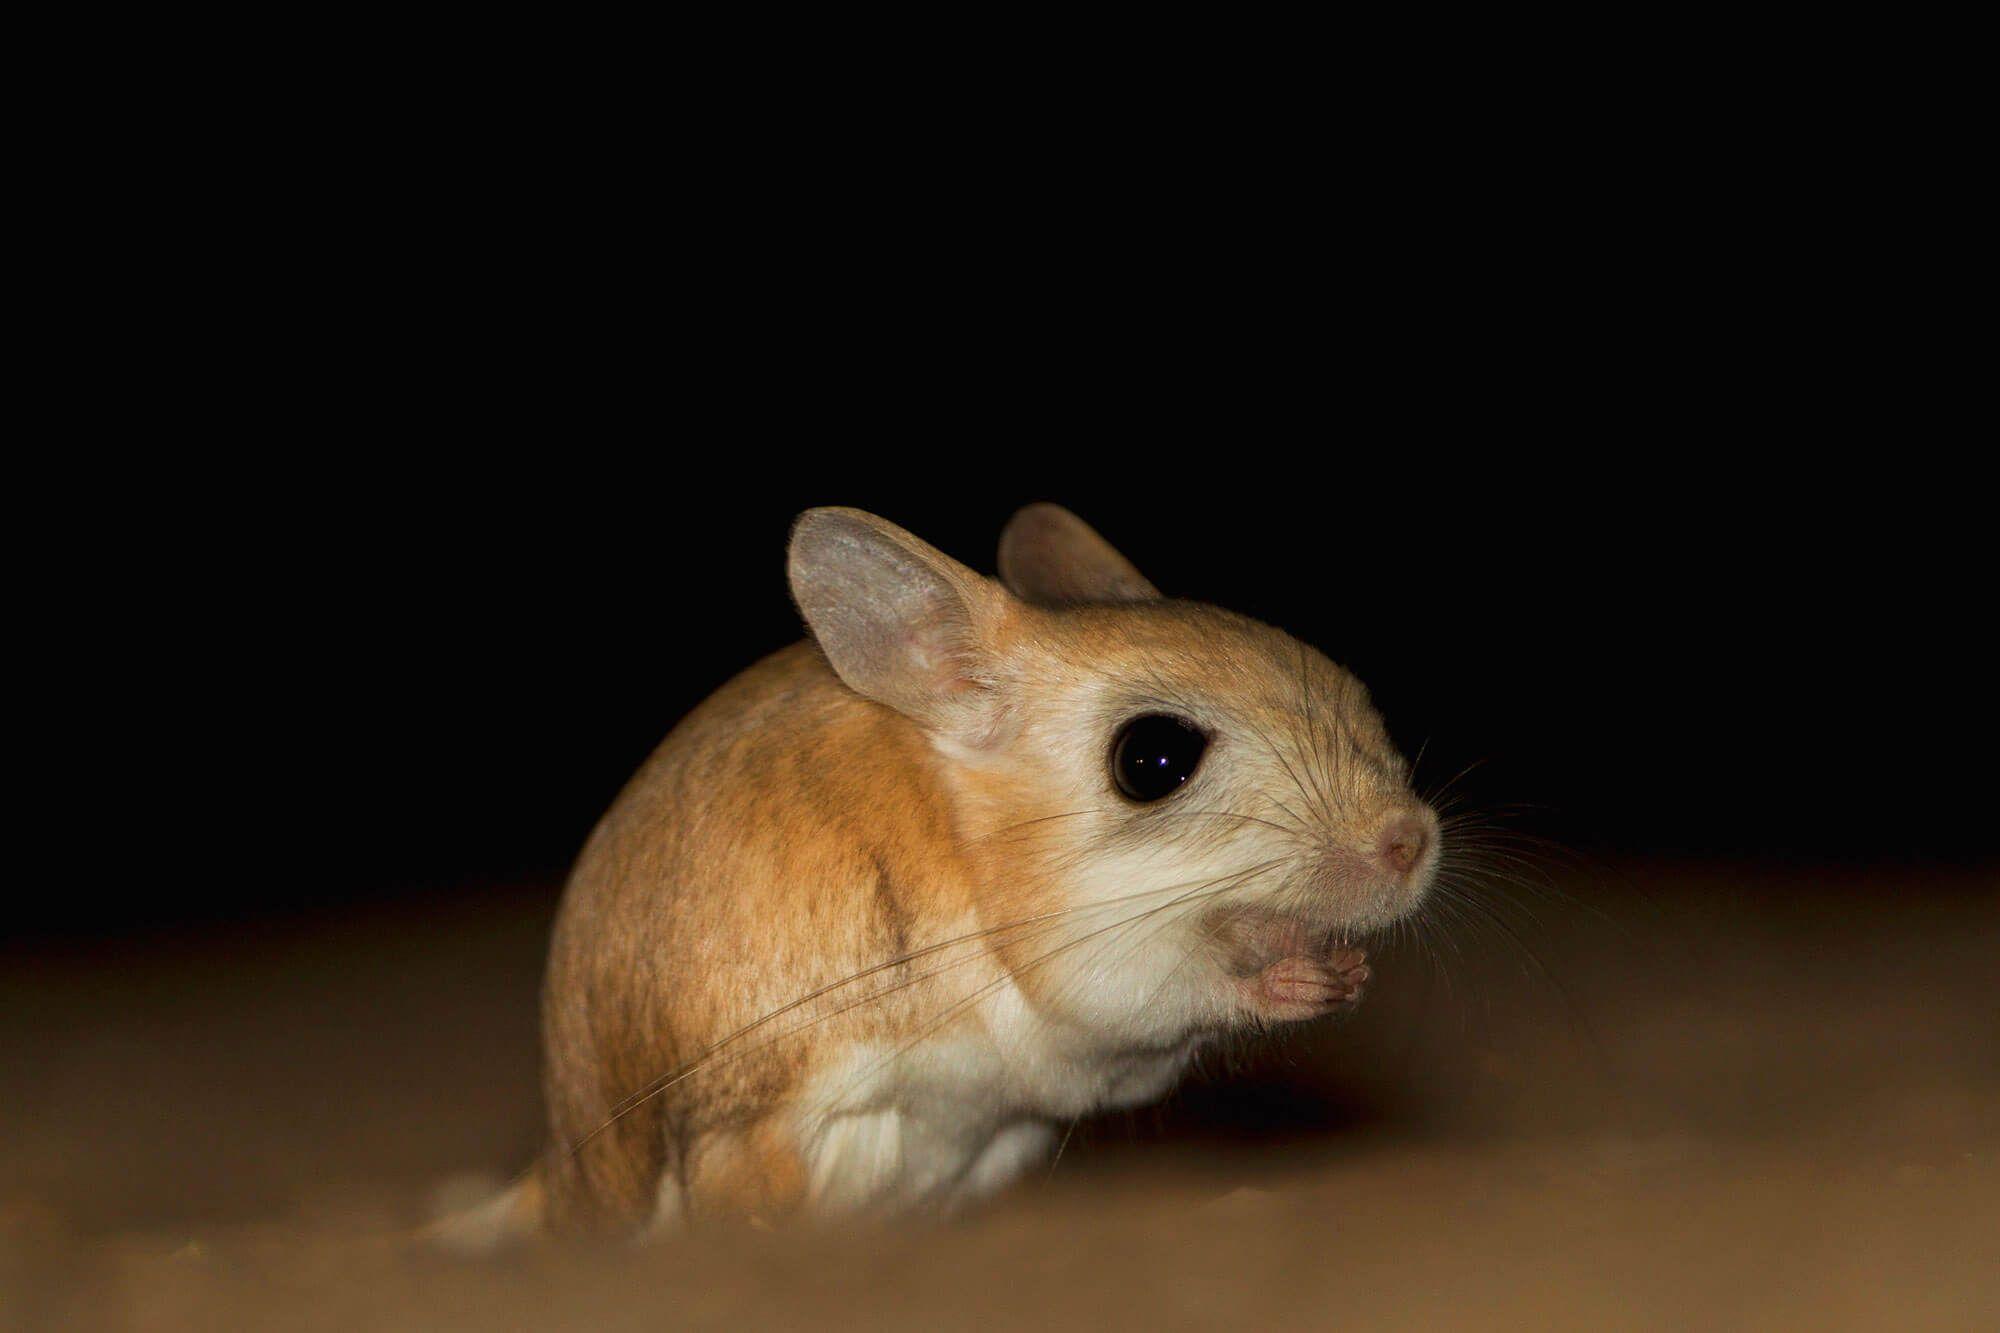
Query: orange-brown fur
{"points": [[800, 873], [732, 877]]}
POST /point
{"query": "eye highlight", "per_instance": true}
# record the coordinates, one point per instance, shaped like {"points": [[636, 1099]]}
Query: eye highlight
{"points": [[1155, 754]]}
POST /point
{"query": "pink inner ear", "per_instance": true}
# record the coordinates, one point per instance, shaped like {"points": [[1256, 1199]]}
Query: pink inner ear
{"points": [[930, 659], [927, 652]]}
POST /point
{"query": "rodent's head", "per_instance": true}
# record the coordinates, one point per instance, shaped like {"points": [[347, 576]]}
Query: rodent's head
{"points": [[1118, 745]]}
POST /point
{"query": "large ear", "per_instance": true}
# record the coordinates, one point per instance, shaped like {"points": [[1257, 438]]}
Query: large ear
{"points": [[1051, 557], [901, 622]]}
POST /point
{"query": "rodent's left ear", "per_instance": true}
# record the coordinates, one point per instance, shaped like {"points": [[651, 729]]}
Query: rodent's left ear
{"points": [[901, 622], [1051, 557]]}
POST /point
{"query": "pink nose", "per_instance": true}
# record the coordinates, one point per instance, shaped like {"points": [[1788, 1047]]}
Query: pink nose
{"points": [[1403, 841]]}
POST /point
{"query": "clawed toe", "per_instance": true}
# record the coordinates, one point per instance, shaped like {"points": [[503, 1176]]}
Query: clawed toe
{"points": [[1299, 987]]}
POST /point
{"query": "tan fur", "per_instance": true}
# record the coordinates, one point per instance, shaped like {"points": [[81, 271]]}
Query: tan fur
{"points": [[791, 834], [783, 838]]}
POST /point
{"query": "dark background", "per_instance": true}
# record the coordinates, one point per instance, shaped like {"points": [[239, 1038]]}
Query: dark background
{"points": [[1672, 524], [1649, 647]]}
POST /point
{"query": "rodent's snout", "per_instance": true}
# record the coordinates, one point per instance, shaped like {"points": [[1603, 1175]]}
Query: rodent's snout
{"points": [[1376, 879], [1406, 837]]}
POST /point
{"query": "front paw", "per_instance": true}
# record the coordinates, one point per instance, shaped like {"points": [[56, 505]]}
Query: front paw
{"points": [[1299, 987]]}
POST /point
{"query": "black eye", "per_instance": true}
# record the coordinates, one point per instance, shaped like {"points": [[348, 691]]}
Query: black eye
{"points": [[1154, 755]]}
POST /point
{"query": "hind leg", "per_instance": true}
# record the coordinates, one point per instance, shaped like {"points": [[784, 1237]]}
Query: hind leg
{"points": [[755, 1173], [1013, 1152]]}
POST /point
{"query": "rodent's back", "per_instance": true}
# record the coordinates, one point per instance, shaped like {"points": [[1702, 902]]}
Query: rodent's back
{"points": [[1135, 824], [786, 835]]}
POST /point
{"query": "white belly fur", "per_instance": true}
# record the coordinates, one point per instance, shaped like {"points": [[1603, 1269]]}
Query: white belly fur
{"points": [[958, 1117]]}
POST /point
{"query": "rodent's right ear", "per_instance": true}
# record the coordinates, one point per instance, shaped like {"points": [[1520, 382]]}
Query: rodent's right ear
{"points": [[901, 622], [1051, 557]]}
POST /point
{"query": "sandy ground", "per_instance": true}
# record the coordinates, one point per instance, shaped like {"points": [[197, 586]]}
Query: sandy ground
{"points": [[1696, 1098]]}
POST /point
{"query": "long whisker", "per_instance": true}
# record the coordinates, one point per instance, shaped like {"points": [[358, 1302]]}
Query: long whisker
{"points": [[707, 1059], [1205, 889], [660, 1084], [1317, 753], [1314, 800], [1176, 813], [1134, 945]]}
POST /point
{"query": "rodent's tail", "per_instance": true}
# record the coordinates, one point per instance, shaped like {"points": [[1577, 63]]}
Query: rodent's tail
{"points": [[515, 1214]]}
